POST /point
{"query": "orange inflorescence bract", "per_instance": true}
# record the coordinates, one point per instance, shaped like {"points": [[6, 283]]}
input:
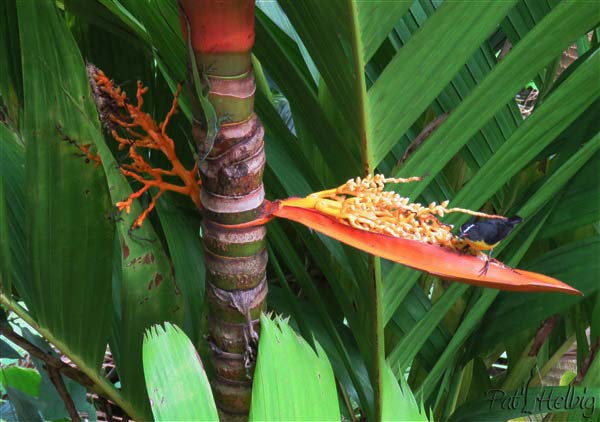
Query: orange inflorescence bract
{"points": [[362, 214], [142, 131], [363, 204]]}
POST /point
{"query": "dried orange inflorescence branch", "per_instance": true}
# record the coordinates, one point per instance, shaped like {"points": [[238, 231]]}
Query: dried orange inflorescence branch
{"points": [[363, 204], [142, 131], [89, 155], [86, 150]]}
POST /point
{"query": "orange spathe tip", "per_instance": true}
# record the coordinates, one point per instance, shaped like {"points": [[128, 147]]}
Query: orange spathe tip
{"points": [[434, 259]]}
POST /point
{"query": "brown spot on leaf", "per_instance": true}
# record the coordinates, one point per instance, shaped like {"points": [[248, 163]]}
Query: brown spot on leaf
{"points": [[148, 258], [177, 289], [125, 249], [158, 279]]}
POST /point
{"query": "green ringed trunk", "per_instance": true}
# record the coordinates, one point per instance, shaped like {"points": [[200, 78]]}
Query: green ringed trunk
{"points": [[235, 260], [222, 34]]}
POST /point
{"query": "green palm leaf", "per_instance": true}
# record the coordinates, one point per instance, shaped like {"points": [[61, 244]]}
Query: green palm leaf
{"points": [[398, 402], [12, 178], [393, 114], [291, 381], [177, 384], [69, 238]]}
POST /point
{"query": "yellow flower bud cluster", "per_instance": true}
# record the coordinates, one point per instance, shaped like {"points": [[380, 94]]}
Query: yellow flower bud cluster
{"points": [[364, 204]]}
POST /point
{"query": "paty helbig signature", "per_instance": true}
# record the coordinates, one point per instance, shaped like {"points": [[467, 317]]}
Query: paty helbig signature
{"points": [[544, 399]]}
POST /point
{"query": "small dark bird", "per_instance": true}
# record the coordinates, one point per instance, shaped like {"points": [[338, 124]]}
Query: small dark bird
{"points": [[486, 234]]}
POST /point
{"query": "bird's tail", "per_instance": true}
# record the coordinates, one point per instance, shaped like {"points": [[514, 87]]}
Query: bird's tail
{"points": [[514, 220]]}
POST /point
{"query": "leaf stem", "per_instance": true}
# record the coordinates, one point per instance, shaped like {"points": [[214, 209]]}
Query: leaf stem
{"points": [[375, 288], [59, 384]]}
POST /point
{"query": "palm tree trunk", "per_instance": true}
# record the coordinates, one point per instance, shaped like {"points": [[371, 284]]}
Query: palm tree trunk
{"points": [[232, 192]]}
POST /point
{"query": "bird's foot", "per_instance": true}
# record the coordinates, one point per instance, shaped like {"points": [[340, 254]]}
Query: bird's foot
{"points": [[485, 268]]}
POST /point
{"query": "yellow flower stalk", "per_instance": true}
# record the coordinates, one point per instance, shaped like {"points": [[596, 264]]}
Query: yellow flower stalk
{"points": [[363, 203]]}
